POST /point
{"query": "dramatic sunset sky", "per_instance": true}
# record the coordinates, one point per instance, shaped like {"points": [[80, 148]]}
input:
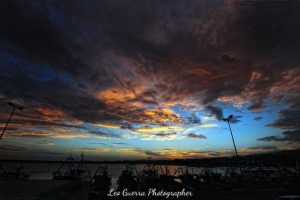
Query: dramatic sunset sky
{"points": [[120, 79]]}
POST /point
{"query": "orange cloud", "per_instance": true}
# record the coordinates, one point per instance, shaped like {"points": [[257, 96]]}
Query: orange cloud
{"points": [[50, 113], [132, 105]]}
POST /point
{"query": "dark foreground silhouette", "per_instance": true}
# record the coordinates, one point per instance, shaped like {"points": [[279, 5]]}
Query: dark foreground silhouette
{"points": [[262, 177]]}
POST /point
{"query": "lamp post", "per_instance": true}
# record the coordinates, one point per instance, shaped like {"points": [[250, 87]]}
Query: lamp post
{"points": [[12, 113], [236, 153]]}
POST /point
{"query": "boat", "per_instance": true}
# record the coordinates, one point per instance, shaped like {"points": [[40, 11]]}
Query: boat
{"points": [[168, 181], [18, 174], [128, 178], [149, 178], [69, 170], [100, 183]]}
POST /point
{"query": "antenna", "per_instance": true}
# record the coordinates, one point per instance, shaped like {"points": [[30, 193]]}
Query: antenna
{"points": [[15, 106], [236, 153]]}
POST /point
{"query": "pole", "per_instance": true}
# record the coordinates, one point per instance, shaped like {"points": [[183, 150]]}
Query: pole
{"points": [[236, 153], [7, 122]]}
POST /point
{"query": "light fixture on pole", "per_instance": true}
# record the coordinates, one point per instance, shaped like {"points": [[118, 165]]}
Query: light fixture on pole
{"points": [[236, 153], [15, 106]]}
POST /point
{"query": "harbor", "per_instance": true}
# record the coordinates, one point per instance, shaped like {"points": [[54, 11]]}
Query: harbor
{"points": [[76, 179], [160, 99]]}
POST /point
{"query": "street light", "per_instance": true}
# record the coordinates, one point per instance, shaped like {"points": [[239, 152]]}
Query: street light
{"points": [[236, 153], [15, 106]]}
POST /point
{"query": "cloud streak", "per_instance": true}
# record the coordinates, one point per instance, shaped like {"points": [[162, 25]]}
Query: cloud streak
{"points": [[193, 135]]}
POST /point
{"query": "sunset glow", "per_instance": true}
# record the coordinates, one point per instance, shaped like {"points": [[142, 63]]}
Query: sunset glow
{"points": [[139, 79]]}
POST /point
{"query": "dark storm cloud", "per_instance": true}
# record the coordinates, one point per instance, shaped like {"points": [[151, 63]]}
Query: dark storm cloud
{"points": [[120, 143], [101, 143], [236, 119], [55, 93], [150, 153], [105, 135], [12, 148], [193, 120], [163, 134], [40, 123], [215, 111], [33, 34], [193, 135], [257, 105], [287, 119], [287, 136], [268, 138], [126, 126], [258, 118], [110, 60]]}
